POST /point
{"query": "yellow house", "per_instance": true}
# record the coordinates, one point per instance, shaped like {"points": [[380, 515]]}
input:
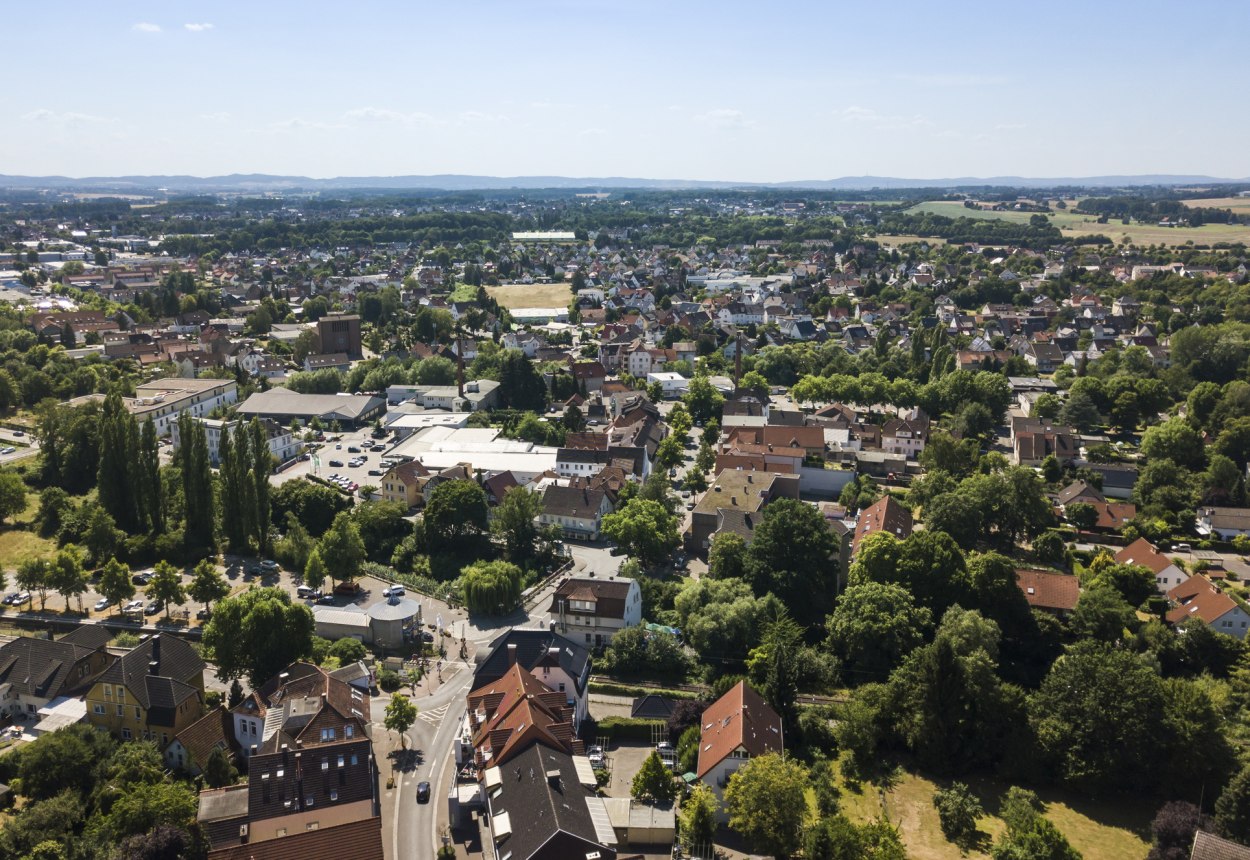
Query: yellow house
{"points": [[151, 693]]}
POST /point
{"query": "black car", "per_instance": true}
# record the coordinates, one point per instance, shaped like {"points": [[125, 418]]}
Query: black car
{"points": [[152, 608], [352, 449], [338, 464], [423, 792], [142, 578]]}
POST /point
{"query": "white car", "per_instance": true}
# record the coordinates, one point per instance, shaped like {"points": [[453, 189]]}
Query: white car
{"points": [[393, 591], [102, 604], [133, 606], [8, 449]]}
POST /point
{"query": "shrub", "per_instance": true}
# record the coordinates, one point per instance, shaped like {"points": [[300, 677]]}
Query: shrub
{"points": [[389, 681], [627, 727], [958, 811]]}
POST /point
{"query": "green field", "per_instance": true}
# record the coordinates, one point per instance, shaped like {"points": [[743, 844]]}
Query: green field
{"points": [[1099, 830], [1074, 225]]}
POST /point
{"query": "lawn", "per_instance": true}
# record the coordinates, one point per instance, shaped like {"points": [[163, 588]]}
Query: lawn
{"points": [[19, 541], [897, 240], [1074, 225], [557, 295], [1099, 830]]}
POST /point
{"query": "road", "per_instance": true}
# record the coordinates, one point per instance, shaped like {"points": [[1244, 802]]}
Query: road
{"points": [[23, 445]]}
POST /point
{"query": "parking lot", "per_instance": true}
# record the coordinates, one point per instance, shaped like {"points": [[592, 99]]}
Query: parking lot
{"points": [[357, 446]]}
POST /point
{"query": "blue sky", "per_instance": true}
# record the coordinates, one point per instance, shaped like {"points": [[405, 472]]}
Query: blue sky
{"points": [[693, 90]]}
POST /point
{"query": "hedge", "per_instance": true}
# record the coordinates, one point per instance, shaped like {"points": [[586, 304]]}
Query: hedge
{"points": [[627, 727], [610, 689]]}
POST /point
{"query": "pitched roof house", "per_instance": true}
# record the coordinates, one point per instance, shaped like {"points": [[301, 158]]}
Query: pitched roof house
{"points": [[884, 515], [302, 706], [560, 663], [1197, 597], [1049, 590], [734, 729], [1142, 552], [509, 714], [596, 607], [152, 692], [35, 671]]}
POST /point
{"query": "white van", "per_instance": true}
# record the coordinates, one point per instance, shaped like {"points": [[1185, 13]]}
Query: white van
{"points": [[307, 592]]}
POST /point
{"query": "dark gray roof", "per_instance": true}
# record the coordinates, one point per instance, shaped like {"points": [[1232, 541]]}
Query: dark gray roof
{"points": [[652, 707], [284, 782], [546, 807], [46, 669], [533, 651], [163, 685]]}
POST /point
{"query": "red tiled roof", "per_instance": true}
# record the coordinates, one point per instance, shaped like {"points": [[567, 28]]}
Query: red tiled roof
{"points": [[1199, 598], [1143, 552], [886, 514], [1046, 589], [740, 718]]}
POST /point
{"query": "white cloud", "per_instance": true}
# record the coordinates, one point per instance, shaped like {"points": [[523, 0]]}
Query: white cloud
{"points": [[220, 116], [725, 118], [479, 116], [869, 117], [592, 132], [298, 124], [67, 118], [146, 27], [375, 114], [198, 28]]}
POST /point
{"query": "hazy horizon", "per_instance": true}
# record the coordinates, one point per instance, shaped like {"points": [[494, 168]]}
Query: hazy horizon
{"points": [[679, 92]]}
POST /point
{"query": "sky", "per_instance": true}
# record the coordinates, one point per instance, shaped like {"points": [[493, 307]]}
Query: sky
{"points": [[665, 89]]}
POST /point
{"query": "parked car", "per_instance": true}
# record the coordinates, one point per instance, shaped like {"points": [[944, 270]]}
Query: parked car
{"points": [[22, 598], [393, 591], [352, 449], [9, 598], [7, 449], [376, 473], [269, 566], [337, 464], [352, 588], [18, 433], [133, 606], [378, 448], [423, 792], [326, 600], [152, 608], [203, 614], [102, 604], [307, 592], [595, 754], [427, 636], [143, 577]]}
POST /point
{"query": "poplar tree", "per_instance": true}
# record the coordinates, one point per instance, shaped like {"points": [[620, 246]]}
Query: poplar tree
{"points": [[262, 463], [117, 455], [197, 484], [150, 479]]}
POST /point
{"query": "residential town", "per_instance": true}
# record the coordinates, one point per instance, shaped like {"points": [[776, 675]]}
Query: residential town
{"points": [[623, 524]]}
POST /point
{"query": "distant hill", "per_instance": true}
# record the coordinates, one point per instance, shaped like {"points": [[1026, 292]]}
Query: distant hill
{"points": [[257, 182]]}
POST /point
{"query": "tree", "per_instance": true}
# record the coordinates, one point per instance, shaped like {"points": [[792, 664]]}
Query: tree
{"points": [[1232, 809], [218, 770], [669, 453], [1095, 717], [958, 811], [341, 549], [1102, 614], [12, 494], [653, 781], [792, 555], [401, 713], [63, 760], [115, 583], [1029, 836], [874, 626], [698, 818], [456, 513], [520, 385], [35, 574], [208, 584], [54, 508], [166, 585], [197, 483], [722, 616], [644, 528], [727, 557], [348, 650], [119, 441], [514, 522], [1173, 829], [1174, 440], [258, 633], [766, 804], [1080, 411], [491, 587], [99, 534], [1082, 515], [314, 570], [702, 400], [67, 576]]}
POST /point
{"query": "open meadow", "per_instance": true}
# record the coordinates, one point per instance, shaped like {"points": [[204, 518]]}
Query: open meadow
{"points": [[557, 295], [1074, 225]]}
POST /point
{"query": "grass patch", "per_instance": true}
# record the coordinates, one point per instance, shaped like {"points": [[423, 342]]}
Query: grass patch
{"points": [[19, 540], [557, 295], [1099, 829], [463, 293]]}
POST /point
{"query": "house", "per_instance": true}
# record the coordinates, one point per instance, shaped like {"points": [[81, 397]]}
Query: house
{"points": [[1078, 491], [884, 515], [161, 401], [1113, 516], [596, 607], [735, 728], [1208, 846], [539, 808], [1197, 597], [577, 510], [1050, 591], [35, 672], [589, 375], [1034, 440], [1118, 479], [560, 663], [189, 750], [329, 361], [283, 444], [1223, 523], [340, 333], [906, 437], [509, 714], [733, 503], [350, 411], [319, 843], [152, 692], [1143, 553], [652, 707], [301, 706]]}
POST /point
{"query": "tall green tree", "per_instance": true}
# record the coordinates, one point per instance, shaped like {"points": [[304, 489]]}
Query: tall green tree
{"points": [[67, 576], [698, 818], [767, 804], [644, 528], [654, 781], [208, 584], [793, 555], [166, 585], [515, 522], [256, 634], [197, 484], [491, 587], [314, 570], [874, 626], [401, 713], [12, 494], [262, 465], [116, 487], [456, 514], [149, 489], [341, 549], [115, 583]]}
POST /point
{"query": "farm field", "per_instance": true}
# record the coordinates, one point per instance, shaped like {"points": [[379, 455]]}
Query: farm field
{"points": [[1240, 205], [1075, 225], [556, 295], [895, 240], [1098, 830]]}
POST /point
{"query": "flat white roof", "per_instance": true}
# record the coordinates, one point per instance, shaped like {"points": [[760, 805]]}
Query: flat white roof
{"points": [[341, 616]]}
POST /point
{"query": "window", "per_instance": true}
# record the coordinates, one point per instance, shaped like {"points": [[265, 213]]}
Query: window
{"points": [[138, 713], [120, 711], [126, 734], [353, 759], [349, 731], [121, 693], [327, 735], [309, 800], [325, 763], [98, 710], [334, 794], [108, 691], [340, 761], [279, 833], [312, 825]]}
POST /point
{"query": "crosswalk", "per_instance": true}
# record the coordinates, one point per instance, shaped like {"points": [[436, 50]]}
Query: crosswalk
{"points": [[435, 715]]}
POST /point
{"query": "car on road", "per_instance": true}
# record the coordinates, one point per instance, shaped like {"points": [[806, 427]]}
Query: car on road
{"points": [[423, 792], [102, 604], [18, 433], [393, 591], [376, 473], [307, 592], [378, 448], [8, 449], [352, 449], [1181, 547], [152, 608], [269, 566], [326, 600]]}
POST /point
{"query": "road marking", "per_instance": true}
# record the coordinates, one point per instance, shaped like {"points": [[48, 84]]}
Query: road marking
{"points": [[435, 716]]}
